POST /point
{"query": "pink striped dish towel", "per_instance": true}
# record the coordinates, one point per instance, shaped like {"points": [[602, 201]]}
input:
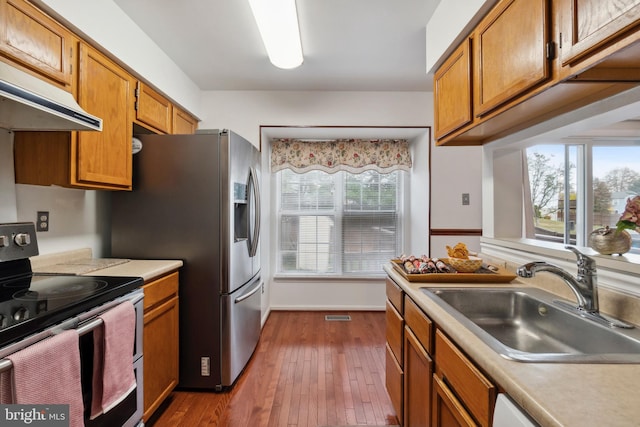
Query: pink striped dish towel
{"points": [[113, 341], [48, 372]]}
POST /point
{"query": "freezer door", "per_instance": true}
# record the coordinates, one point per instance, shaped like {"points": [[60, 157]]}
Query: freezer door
{"points": [[240, 329]]}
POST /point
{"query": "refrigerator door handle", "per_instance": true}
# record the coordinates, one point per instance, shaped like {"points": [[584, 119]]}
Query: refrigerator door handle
{"points": [[253, 179], [249, 294]]}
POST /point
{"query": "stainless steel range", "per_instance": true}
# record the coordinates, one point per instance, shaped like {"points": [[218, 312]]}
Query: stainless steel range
{"points": [[35, 306]]}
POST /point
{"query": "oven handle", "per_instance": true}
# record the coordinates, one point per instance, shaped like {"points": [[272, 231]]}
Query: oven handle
{"points": [[79, 322]]}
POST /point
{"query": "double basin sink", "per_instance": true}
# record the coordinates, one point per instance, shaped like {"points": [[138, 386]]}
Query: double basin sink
{"points": [[531, 325]]}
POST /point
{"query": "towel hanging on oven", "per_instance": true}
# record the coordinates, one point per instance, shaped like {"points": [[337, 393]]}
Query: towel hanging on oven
{"points": [[113, 341], [48, 372]]}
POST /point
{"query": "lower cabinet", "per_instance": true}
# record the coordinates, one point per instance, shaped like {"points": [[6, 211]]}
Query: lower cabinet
{"points": [[463, 392], [440, 385], [160, 336], [418, 368]]}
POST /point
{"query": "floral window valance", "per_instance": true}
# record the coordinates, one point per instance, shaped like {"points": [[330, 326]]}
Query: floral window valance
{"points": [[351, 155]]}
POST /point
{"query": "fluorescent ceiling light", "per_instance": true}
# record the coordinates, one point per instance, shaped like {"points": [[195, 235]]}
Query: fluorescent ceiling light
{"points": [[278, 25]]}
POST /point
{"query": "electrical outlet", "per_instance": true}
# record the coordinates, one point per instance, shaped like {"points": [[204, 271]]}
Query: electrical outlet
{"points": [[42, 224], [465, 199]]}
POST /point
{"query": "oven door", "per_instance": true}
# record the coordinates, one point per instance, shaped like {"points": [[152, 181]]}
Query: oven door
{"points": [[127, 413]]}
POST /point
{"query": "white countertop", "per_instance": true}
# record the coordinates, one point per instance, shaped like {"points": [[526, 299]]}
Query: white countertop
{"points": [[147, 269], [81, 262], [554, 394]]}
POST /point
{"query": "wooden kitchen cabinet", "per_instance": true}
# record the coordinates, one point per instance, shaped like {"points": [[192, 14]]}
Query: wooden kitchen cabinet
{"points": [[105, 90], [447, 410], [85, 159], [418, 365], [37, 43], [441, 386], [394, 378], [533, 60], [510, 52], [153, 109], [183, 122], [453, 95], [462, 392], [161, 341], [590, 26]]}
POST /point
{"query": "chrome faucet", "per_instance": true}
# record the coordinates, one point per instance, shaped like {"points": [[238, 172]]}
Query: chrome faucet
{"points": [[584, 285]]}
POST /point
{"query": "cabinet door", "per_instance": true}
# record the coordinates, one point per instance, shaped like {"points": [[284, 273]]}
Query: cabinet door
{"points": [[394, 378], [592, 24], [35, 41], [447, 410], [161, 337], [105, 90], [510, 52], [452, 92], [152, 108], [183, 123], [418, 368], [470, 386]]}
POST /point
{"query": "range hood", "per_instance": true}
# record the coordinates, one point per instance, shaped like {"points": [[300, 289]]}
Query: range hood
{"points": [[28, 103]]}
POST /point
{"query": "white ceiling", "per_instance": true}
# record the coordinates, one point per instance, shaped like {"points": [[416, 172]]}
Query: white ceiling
{"points": [[356, 45]]}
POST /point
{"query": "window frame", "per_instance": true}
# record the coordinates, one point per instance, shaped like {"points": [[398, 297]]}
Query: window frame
{"points": [[338, 214]]}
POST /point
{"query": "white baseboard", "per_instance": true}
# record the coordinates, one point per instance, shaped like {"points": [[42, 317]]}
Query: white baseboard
{"points": [[327, 308]]}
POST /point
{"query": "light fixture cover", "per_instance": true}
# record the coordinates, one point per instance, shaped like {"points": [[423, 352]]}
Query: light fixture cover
{"points": [[278, 25]]}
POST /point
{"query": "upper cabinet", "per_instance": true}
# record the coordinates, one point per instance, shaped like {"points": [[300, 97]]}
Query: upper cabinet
{"points": [[153, 109], [591, 25], [453, 97], [532, 60], [183, 122], [511, 52], [36, 42], [86, 159], [104, 90]]}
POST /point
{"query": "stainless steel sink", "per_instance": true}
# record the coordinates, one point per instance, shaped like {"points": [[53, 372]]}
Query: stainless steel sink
{"points": [[531, 325]]}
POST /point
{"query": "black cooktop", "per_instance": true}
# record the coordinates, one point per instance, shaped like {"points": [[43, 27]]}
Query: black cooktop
{"points": [[31, 303]]}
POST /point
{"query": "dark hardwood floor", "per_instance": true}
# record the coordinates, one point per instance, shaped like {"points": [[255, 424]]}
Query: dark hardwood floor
{"points": [[305, 372]]}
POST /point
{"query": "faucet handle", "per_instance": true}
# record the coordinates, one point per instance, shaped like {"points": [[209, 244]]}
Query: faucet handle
{"points": [[586, 264]]}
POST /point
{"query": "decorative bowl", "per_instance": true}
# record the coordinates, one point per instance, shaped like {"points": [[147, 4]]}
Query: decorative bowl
{"points": [[466, 265]]}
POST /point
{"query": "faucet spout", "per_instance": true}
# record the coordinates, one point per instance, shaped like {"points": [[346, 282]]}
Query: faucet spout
{"points": [[584, 285], [530, 270]]}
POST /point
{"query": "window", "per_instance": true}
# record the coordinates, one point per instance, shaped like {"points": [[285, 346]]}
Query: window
{"points": [[340, 224], [575, 189]]}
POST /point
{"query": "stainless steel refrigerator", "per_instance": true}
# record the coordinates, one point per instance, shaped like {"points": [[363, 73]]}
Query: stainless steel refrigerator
{"points": [[196, 198]]}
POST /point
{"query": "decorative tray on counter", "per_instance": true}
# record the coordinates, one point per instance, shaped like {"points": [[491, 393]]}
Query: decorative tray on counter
{"points": [[486, 274]]}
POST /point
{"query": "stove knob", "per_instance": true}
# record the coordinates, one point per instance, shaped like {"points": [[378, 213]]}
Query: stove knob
{"points": [[22, 239], [4, 241], [4, 321], [21, 314]]}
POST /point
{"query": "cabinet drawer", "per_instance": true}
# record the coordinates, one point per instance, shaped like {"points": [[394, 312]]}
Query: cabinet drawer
{"points": [[394, 381], [160, 290], [447, 410], [395, 328], [419, 323], [465, 380], [395, 295]]}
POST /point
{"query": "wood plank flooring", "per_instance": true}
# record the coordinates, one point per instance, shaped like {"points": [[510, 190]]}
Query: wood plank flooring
{"points": [[306, 372]]}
